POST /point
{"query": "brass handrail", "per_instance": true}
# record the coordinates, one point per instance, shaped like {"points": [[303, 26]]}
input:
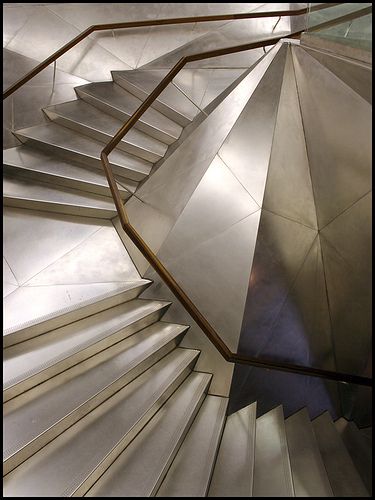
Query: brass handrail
{"points": [[153, 22], [157, 265]]}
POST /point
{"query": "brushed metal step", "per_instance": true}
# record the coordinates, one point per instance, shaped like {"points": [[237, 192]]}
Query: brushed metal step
{"points": [[358, 448], [84, 118], [191, 470], [32, 362], [116, 101], [310, 477], [73, 146], [21, 193], [171, 102], [343, 476], [140, 469], [37, 165], [233, 473], [272, 471], [78, 310], [72, 462]]}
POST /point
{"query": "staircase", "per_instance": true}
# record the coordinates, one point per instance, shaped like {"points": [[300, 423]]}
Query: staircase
{"points": [[99, 399]]}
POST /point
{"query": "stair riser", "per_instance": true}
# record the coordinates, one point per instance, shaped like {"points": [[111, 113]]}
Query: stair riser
{"points": [[158, 105], [17, 170], [83, 354], [111, 457], [54, 431], [59, 208], [83, 159], [62, 318], [124, 117], [102, 137]]}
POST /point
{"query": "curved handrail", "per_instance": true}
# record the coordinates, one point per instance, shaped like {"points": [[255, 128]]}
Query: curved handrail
{"points": [[157, 265], [154, 22]]}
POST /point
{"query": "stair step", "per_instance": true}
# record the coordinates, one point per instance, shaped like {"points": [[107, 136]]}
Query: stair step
{"points": [[191, 470], [77, 147], [116, 101], [55, 405], [171, 102], [140, 469], [309, 474], [21, 193], [88, 120], [358, 448], [32, 362], [73, 461], [343, 476], [272, 471], [233, 473], [39, 166], [74, 312]]}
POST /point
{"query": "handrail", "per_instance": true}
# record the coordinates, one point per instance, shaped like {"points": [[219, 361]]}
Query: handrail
{"points": [[154, 22], [157, 265]]}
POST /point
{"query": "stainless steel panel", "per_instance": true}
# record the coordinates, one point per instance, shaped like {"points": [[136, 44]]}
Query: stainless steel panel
{"points": [[343, 476], [339, 121], [37, 165], [66, 466], [356, 75], [141, 468], [88, 120], [233, 473], [358, 448], [246, 150], [190, 472], [77, 147], [31, 311], [272, 472], [281, 249], [288, 190], [30, 363], [309, 474]]}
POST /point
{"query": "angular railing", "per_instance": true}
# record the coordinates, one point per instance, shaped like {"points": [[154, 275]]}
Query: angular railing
{"points": [[131, 232]]}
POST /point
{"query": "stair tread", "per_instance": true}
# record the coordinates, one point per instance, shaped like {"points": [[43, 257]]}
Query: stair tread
{"points": [[40, 309], [342, 474], [233, 473], [20, 188], [308, 471], [147, 80], [118, 98], [48, 407], [190, 472], [359, 449], [90, 117], [61, 137], [32, 357], [140, 469], [37, 161], [271, 448], [59, 468]]}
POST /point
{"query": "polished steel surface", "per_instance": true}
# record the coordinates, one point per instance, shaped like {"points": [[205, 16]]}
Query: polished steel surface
{"points": [[88, 120], [40, 166], [77, 147], [116, 101], [343, 476], [233, 472], [19, 192], [272, 471], [30, 363], [359, 449], [72, 462], [310, 478], [190, 472], [141, 468]]}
